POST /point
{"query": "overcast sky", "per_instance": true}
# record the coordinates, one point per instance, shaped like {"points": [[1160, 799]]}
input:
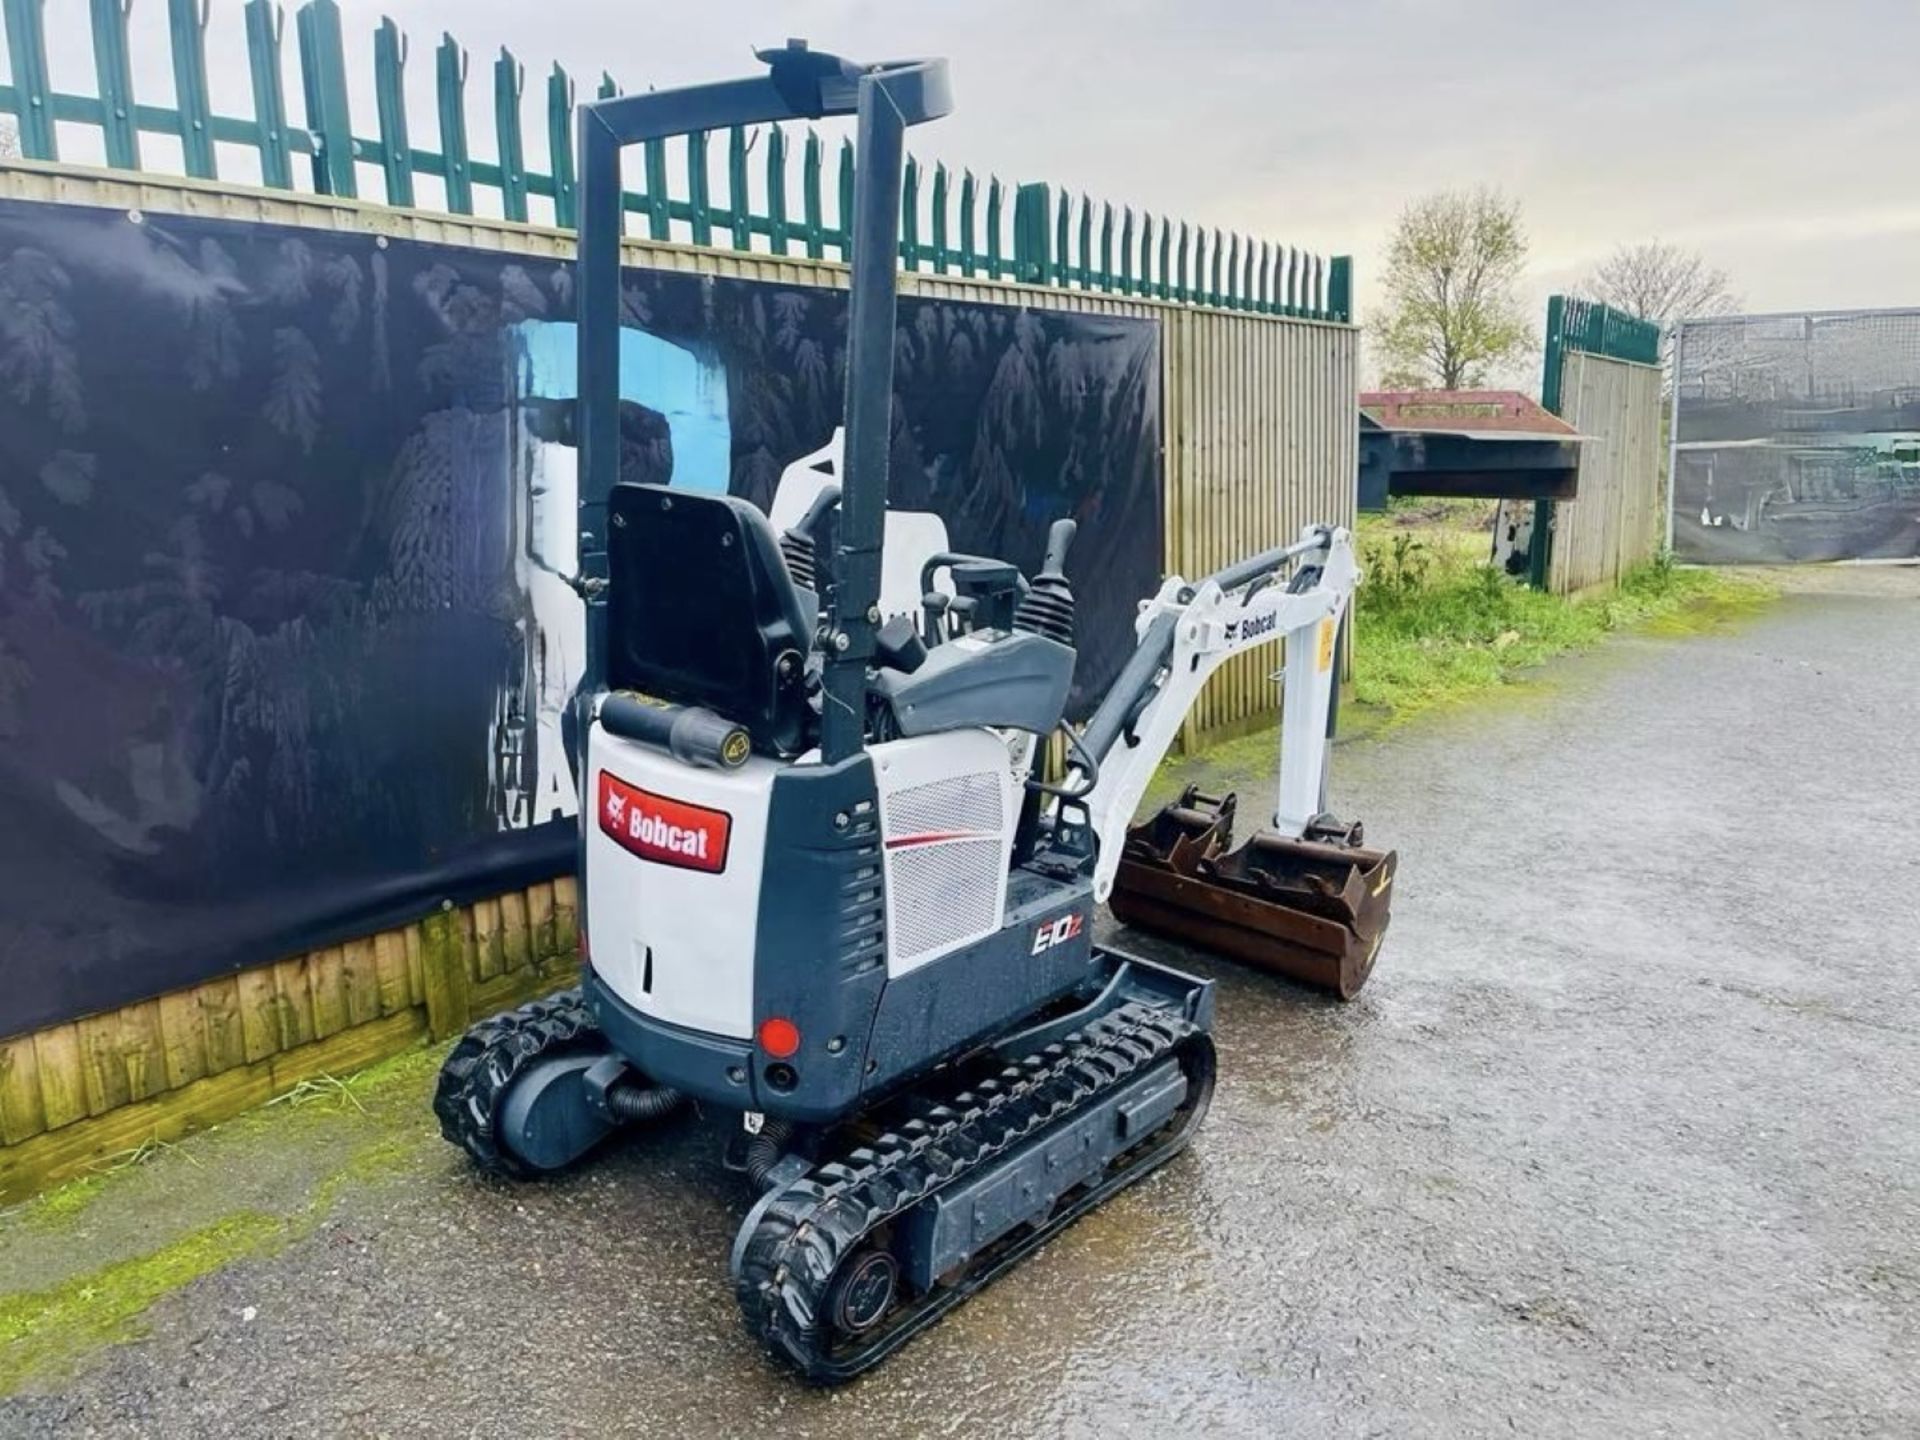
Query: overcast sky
{"points": [[1781, 138]]}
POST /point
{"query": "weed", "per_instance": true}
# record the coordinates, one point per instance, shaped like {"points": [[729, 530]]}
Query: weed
{"points": [[1434, 622], [149, 1149], [321, 1088]]}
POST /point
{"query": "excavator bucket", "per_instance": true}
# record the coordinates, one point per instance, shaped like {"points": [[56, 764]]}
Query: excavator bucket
{"points": [[1314, 909]]}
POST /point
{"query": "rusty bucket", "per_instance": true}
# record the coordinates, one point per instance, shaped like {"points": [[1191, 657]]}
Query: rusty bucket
{"points": [[1314, 910]]}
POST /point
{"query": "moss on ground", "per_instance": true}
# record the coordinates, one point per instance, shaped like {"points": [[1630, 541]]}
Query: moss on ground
{"points": [[57, 1207], [82, 1265], [43, 1331]]}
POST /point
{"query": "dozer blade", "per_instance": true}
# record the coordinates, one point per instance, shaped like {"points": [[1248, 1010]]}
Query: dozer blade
{"points": [[1314, 910]]}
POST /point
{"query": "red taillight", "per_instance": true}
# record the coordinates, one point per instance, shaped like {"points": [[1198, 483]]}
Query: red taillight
{"points": [[779, 1037]]}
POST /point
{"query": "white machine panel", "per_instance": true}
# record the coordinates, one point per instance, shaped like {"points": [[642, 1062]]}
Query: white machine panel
{"points": [[948, 806], [673, 862]]}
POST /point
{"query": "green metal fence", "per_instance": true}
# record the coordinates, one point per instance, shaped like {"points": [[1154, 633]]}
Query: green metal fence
{"points": [[1596, 329], [961, 228], [1588, 326]]}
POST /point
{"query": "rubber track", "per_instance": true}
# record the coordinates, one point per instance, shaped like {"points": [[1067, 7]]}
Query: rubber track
{"points": [[489, 1057], [820, 1220]]}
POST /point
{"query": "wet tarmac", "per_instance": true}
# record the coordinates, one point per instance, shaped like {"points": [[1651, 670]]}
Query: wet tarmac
{"points": [[1622, 1139]]}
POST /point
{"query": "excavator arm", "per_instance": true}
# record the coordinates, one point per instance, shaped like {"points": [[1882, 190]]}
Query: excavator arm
{"points": [[1196, 628], [1302, 896]]}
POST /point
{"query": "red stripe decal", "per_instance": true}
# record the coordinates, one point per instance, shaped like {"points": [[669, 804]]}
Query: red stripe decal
{"points": [[936, 836]]}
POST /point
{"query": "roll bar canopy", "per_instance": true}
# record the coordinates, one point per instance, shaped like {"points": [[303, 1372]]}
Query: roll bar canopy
{"points": [[800, 84]]}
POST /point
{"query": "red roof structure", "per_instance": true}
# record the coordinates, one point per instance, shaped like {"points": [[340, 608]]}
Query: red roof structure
{"points": [[1488, 413]]}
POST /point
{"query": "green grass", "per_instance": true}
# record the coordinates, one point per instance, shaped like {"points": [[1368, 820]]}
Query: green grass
{"points": [[1434, 623]]}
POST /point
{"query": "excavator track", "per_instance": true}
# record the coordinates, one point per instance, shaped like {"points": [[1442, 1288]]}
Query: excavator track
{"points": [[818, 1246], [490, 1056]]}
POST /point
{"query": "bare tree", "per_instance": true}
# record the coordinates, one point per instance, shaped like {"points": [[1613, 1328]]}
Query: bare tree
{"points": [[9, 138], [1452, 311], [1664, 283]]}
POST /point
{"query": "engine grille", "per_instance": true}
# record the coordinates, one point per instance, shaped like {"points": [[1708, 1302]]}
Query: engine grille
{"points": [[942, 807], [943, 894], [944, 863]]}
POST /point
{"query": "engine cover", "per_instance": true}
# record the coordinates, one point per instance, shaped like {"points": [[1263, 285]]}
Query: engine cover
{"points": [[786, 936], [674, 859]]}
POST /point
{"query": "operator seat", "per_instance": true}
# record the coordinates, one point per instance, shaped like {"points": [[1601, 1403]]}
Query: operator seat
{"points": [[701, 610]]}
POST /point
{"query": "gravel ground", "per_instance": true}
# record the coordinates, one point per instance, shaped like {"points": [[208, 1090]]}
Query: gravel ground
{"points": [[1622, 1139]]}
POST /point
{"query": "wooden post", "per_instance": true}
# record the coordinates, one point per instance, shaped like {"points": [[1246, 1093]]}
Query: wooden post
{"points": [[444, 968]]}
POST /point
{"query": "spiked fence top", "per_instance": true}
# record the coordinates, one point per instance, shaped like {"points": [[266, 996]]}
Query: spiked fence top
{"points": [[1031, 233]]}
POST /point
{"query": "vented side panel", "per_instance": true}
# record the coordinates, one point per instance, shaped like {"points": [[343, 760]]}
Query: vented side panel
{"points": [[964, 804], [863, 906], [946, 857], [943, 894]]}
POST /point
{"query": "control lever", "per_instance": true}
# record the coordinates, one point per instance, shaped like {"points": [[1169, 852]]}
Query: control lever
{"points": [[801, 544], [1047, 606], [1059, 541]]}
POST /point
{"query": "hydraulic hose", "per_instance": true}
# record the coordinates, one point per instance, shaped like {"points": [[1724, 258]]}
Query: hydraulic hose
{"points": [[642, 1104], [765, 1149], [1136, 681]]}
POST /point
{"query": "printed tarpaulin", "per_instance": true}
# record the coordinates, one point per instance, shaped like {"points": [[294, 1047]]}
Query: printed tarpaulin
{"points": [[286, 523]]}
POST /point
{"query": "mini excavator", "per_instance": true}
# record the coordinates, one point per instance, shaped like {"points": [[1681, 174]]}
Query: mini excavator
{"points": [[840, 850]]}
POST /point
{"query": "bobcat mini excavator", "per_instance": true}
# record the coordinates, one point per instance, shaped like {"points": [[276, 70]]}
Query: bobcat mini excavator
{"points": [[826, 885]]}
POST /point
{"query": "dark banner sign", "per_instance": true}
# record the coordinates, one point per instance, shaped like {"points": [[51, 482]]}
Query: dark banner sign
{"points": [[285, 521]]}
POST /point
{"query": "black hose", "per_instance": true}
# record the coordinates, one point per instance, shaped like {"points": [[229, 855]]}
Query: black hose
{"points": [[765, 1150], [642, 1104]]}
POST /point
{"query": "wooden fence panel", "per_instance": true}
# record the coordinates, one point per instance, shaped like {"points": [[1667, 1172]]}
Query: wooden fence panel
{"points": [[23, 1112], [77, 1095], [1261, 440], [1616, 524]]}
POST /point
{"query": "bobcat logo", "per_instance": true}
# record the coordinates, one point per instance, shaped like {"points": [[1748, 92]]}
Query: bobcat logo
{"points": [[662, 829], [1249, 629]]}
